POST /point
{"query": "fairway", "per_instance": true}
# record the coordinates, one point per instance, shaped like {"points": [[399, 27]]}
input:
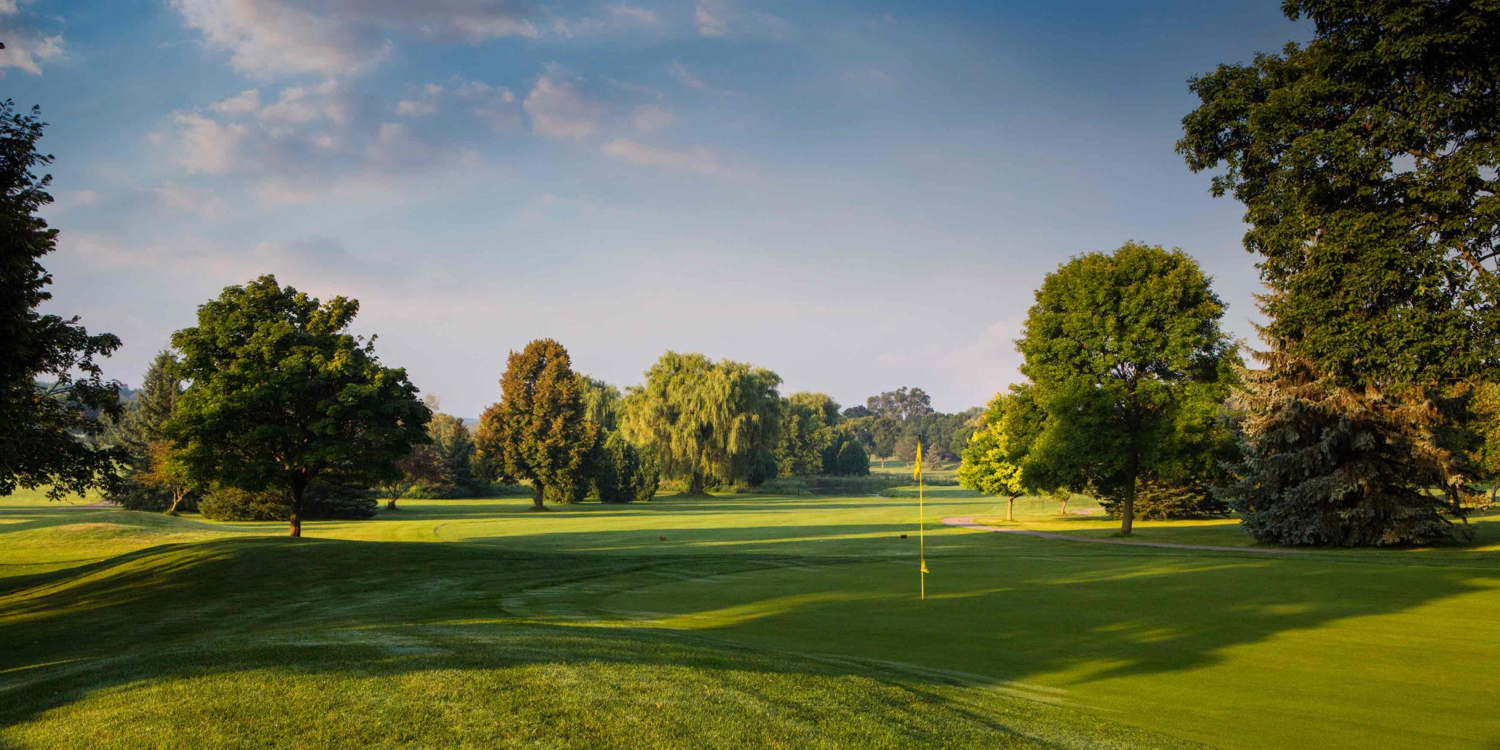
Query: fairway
{"points": [[724, 622]]}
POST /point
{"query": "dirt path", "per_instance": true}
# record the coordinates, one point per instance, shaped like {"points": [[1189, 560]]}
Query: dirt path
{"points": [[967, 522]]}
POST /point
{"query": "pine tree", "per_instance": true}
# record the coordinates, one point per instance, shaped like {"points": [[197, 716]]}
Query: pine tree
{"points": [[1330, 465], [139, 430]]}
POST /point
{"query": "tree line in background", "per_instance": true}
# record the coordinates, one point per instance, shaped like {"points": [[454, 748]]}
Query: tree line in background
{"points": [[1366, 160]]}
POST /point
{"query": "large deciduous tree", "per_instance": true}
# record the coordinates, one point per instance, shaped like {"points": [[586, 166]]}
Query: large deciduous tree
{"points": [[1366, 160], [539, 430], [281, 395], [705, 420], [52, 391], [1115, 347]]}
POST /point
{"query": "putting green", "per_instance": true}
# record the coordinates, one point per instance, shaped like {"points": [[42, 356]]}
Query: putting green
{"points": [[738, 620]]}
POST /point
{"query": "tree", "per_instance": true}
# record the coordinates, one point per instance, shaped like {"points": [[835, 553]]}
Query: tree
{"points": [[52, 391], [623, 474], [281, 396], [1112, 346], [1366, 162], [601, 402], [852, 460], [146, 413], [165, 471], [454, 449], [997, 459], [704, 420], [901, 404], [985, 468], [539, 431], [418, 467], [1324, 465], [807, 434]]}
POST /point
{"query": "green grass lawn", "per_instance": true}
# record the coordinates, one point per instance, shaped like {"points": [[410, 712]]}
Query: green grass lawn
{"points": [[729, 622]]}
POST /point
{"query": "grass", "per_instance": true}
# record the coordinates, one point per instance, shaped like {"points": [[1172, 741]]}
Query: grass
{"points": [[757, 621]]}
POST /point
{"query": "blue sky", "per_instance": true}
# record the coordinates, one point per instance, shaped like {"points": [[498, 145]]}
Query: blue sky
{"points": [[858, 196]]}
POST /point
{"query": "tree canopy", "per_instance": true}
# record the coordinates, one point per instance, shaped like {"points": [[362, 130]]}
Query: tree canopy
{"points": [[52, 389], [706, 420], [539, 430], [1114, 347], [282, 395]]}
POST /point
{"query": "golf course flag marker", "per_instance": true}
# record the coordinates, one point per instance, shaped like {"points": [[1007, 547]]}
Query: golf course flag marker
{"points": [[921, 521]]}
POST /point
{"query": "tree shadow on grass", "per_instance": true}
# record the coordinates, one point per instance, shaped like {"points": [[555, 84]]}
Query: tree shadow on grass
{"points": [[1006, 608]]}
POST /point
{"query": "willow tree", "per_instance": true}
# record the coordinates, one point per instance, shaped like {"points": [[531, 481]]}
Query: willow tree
{"points": [[1116, 346], [282, 396], [539, 431], [704, 419]]}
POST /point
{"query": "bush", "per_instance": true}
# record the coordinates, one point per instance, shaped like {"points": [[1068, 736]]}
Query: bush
{"points": [[320, 502], [852, 460]]}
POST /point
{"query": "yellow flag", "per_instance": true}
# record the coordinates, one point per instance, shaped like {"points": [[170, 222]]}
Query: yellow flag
{"points": [[924, 566], [916, 472]]}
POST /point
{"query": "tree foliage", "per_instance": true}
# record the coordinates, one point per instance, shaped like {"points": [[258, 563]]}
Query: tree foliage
{"points": [[706, 420], [281, 396], [52, 390], [420, 466], [623, 472], [902, 404], [539, 430], [454, 448], [1116, 347], [138, 429], [1330, 465]]}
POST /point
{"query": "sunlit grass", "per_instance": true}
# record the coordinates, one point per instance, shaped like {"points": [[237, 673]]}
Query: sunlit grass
{"points": [[755, 621]]}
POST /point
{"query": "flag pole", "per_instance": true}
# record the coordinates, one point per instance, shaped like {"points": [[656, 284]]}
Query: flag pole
{"points": [[921, 524]]}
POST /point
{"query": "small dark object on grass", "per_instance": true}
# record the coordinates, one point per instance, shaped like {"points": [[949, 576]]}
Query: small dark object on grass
{"points": [[903, 536], [662, 538]]}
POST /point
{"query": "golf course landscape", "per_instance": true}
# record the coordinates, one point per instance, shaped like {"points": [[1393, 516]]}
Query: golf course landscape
{"points": [[733, 620]]}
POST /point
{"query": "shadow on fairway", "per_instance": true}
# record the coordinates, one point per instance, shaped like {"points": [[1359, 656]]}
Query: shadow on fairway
{"points": [[1006, 608]]}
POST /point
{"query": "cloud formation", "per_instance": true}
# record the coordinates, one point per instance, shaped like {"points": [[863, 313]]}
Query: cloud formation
{"points": [[696, 160], [559, 110], [340, 37], [26, 48]]}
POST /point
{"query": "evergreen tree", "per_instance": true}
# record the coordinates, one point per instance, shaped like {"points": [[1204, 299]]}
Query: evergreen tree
{"points": [[1330, 465], [140, 427], [454, 448]]}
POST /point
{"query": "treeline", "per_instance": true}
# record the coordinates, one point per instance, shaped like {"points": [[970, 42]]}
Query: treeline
{"points": [[891, 424]]}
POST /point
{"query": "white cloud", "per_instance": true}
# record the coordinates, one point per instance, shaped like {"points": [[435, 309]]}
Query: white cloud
{"points": [[26, 48], [76, 198], [616, 18], [302, 104], [202, 202], [651, 117], [495, 105], [712, 17], [685, 76], [206, 146], [242, 103], [699, 161], [339, 37], [558, 110]]}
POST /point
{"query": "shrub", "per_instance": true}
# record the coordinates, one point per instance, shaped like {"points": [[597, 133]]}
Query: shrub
{"points": [[321, 501]]}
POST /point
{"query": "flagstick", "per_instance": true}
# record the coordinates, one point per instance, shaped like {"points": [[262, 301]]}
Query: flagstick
{"points": [[921, 531]]}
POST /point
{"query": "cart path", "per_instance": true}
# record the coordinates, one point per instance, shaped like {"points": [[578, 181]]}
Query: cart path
{"points": [[967, 522]]}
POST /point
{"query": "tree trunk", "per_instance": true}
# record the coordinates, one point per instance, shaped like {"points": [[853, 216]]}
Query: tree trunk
{"points": [[176, 500], [1065, 505], [1010, 509], [695, 485], [1127, 518], [296, 515], [538, 494], [390, 504]]}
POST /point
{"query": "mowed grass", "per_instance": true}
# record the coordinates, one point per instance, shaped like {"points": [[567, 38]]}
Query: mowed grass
{"points": [[729, 622]]}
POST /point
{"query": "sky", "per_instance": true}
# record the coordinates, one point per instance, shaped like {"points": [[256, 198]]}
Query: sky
{"points": [[858, 196]]}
